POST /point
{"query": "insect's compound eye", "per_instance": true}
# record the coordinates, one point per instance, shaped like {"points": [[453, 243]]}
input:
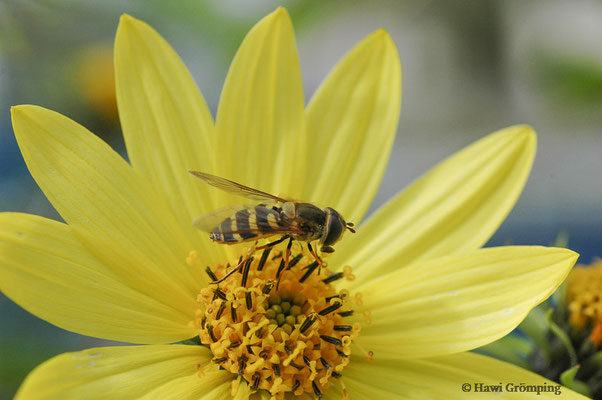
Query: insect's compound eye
{"points": [[334, 227]]}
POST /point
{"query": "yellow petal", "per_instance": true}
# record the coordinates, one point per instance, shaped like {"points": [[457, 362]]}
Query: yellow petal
{"points": [[167, 126], [460, 302], [260, 121], [46, 270], [455, 207], [128, 372], [242, 392], [117, 215], [351, 124], [443, 378]]}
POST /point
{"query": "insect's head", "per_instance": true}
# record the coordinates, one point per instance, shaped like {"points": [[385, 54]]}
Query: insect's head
{"points": [[334, 228]]}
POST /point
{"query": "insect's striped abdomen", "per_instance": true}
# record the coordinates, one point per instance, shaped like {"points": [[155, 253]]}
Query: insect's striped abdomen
{"points": [[222, 233], [242, 219], [247, 224], [268, 220]]}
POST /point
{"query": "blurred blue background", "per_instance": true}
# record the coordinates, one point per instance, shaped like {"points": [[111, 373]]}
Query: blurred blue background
{"points": [[469, 68]]}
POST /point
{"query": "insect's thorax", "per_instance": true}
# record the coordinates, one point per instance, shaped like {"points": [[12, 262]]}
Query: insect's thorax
{"points": [[310, 219]]}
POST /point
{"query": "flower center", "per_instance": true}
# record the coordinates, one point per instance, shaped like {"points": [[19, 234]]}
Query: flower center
{"points": [[584, 295], [280, 327]]}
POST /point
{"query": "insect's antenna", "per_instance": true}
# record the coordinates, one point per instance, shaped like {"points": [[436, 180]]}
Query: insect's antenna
{"points": [[349, 226]]}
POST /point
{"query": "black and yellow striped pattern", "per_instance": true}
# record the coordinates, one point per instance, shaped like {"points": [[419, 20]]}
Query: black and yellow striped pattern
{"points": [[249, 224]]}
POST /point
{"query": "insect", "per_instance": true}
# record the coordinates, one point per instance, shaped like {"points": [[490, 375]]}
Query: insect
{"points": [[274, 216]]}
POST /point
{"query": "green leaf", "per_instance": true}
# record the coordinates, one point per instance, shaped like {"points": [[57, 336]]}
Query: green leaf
{"points": [[567, 378], [536, 327], [564, 338], [511, 348]]}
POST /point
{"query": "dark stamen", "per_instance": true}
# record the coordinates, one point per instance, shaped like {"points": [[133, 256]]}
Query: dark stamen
{"points": [[250, 349], [233, 312], [307, 322], [276, 369], [210, 273], [234, 345], [249, 300], [245, 271], [218, 292], [296, 385], [332, 340], [333, 277], [336, 296], [331, 308], [343, 328], [294, 261], [256, 380], [243, 365], [219, 360], [220, 311], [335, 374], [346, 313], [264, 258], [280, 268], [316, 390], [310, 269], [325, 363], [269, 285], [340, 352], [299, 367], [307, 361], [287, 349], [211, 334], [288, 252]]}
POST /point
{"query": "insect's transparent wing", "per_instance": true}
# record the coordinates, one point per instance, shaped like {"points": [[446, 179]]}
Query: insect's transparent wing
{"points": [[236, 188], [210, 221]]}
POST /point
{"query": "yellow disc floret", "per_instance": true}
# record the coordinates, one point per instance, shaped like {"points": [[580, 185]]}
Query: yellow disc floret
{"points": [[279, 326], [584, 295]]}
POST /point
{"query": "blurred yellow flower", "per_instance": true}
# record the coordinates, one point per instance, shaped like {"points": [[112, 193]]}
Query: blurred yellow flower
{"points": [[584, 296], [127, 264], [94, 79]]}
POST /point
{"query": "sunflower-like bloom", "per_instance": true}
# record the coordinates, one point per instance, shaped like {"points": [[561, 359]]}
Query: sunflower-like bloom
{"points": [[561, 339], [391, 317]]}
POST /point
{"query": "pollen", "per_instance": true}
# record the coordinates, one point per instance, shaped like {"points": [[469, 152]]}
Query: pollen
{"points": [[584, 296], [281, 326]]}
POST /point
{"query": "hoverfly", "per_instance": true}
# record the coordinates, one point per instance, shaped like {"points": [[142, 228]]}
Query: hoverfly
{"points": [[274, 216]]}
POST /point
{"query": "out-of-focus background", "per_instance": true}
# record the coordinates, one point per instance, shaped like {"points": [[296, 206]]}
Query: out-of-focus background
{"points": [[469, 68]]}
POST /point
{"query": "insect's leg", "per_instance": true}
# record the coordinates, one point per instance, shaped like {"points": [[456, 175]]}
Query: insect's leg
{"points": [[318, 259], [288, 253], [252, 250], [274, 243], [239, 266], [241, 262]]}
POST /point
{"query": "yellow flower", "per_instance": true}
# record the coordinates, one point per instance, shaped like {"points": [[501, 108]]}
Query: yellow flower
{"points": [[95, 79], [127, 265], [584, 298]]}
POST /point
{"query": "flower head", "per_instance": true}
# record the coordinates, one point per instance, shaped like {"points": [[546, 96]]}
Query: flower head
{"points": [[584, 298], [562, 339], [393, 312]]}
